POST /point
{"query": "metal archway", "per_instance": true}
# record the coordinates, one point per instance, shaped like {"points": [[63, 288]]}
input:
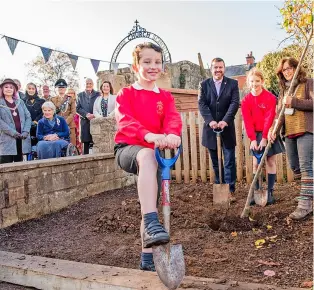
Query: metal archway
{"points": [[140, 32]]}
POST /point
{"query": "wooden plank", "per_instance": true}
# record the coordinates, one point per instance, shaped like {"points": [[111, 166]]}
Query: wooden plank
{"points": [[185, 151], [167, 153], [178, 170], [248, 161], [203, 172], [193, 146], [239, 147], [182, 91], [211, 169], [279, 165]]}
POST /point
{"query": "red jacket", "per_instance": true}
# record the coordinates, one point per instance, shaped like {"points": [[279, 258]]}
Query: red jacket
{"points": [[139, 112], [258, 113]]}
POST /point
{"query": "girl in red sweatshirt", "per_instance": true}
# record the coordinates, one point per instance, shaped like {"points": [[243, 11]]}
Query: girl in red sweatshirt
{"points": [[258, 111], [146, 118]]}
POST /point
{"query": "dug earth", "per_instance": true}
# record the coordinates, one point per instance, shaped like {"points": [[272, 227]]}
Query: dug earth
{"points": [[104, 229]]}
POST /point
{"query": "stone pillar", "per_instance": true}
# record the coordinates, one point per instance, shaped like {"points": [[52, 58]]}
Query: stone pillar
{"points": [[103, 131]]}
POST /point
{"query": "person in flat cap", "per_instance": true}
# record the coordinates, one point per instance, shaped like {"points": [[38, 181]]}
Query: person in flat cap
{"points": [[15, 124], [65, 107]]}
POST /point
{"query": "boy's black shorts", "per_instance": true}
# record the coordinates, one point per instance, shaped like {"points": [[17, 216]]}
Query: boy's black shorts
{"points": [[126, 159]]}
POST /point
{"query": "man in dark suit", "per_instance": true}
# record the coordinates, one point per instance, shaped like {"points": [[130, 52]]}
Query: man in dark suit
{"points": [[218, 103], [84, 107]]}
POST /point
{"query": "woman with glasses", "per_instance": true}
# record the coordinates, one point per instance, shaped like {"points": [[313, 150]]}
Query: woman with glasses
{"points": [[297, 127], [259, 111]]}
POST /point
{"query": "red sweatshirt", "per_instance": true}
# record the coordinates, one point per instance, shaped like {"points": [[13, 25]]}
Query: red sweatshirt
{"points": [[258, 113], [139, 112]]}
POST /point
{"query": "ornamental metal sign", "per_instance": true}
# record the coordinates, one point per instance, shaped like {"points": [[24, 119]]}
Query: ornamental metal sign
{"points": [[140, 32]]}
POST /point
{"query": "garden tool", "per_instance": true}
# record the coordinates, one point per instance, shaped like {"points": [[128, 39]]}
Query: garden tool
{"points": [[168, 259], [221, 192], [260, 195]]}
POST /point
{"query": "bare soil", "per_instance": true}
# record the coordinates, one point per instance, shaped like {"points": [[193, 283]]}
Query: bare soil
{"points": [[104, 229]]}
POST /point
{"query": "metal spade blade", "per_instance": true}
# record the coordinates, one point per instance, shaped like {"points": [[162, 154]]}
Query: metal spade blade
{"points": [[169, 264]]}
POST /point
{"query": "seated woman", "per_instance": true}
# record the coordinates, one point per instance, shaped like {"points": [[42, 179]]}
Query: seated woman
{"points": [[52, 132]]}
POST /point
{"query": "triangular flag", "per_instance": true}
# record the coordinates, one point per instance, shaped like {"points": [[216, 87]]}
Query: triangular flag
{"points": [[73, 59], [95, 64], [46, 53], [115, 66], [12, 43]]}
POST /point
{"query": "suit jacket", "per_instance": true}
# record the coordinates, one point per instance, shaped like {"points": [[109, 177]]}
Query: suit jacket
{"points": [[84, 105], [219, 108], [70, 111]]}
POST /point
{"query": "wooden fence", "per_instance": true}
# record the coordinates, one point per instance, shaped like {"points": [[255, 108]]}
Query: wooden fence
{"points": [[195, 163]]}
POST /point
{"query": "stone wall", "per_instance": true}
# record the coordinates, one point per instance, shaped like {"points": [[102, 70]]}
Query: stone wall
{"points": [[103, 131], [181, 75], [32, 189]]}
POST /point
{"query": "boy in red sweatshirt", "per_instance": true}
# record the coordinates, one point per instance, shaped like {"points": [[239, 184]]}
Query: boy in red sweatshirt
{"points": [[258, 111], [146, 118]]}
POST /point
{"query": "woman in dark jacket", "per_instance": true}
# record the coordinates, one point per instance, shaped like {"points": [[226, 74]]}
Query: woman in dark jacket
{"points": [[33, 104], [53, 133], [15, 123]]}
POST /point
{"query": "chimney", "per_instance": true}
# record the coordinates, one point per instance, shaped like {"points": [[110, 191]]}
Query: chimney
{"points": [[250, 59]]}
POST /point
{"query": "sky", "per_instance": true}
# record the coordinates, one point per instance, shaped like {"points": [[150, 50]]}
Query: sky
{"points": [[93, 29]]}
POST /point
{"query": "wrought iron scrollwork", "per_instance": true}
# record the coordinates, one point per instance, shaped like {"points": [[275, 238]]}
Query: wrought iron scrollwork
{"points": [[140, 32]]}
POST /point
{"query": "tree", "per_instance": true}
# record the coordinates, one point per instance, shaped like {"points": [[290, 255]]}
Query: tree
{"points": [[270, 61], [297, 18], [58, 66]]}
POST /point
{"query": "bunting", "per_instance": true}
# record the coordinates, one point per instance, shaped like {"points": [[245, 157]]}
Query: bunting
{"points": [[73, 59], [12, 43], [46, 53], [95, 64]]}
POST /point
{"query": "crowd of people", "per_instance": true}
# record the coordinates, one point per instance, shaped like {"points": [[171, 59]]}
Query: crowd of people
{"points": [[48, 124]]}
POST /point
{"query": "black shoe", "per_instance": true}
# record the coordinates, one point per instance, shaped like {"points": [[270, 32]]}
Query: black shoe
{"points": [[155, 235], [148, 267]]}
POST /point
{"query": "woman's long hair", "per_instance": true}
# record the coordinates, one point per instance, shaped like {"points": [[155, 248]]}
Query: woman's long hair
{"points": [[36, 91], [301, 78]]}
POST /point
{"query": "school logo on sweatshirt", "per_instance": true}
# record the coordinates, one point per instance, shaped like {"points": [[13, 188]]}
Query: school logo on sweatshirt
{"points": [[160, 108]]}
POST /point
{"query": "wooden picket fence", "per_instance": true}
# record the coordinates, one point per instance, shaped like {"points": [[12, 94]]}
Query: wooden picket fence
{"points": [[195, 164]]}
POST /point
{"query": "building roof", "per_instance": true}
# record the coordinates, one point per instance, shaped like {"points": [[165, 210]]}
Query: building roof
{"points": [[238, 70]]}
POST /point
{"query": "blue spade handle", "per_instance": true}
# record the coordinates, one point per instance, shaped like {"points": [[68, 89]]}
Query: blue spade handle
{"points": [[258, 155], [166, 164]]}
